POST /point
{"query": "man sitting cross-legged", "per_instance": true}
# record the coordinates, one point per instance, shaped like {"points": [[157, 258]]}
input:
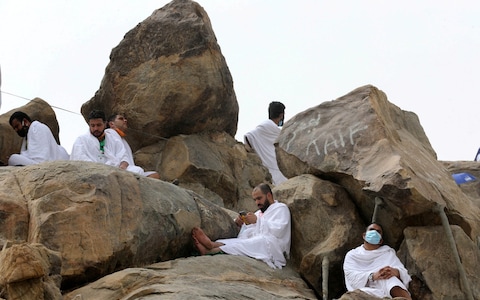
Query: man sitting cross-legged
{"points": [[264, 235]]}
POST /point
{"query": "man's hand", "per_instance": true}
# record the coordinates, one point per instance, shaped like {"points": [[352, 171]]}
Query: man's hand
{"points": [[251, 218], [123, 165], [386, 273], [238, 220]]}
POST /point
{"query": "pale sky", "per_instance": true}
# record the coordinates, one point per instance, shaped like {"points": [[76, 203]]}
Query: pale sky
{"points": [[422, 54]]}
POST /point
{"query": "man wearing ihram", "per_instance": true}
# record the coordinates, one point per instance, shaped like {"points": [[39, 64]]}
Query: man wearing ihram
{"points": [[264, 235], [375, 268]]}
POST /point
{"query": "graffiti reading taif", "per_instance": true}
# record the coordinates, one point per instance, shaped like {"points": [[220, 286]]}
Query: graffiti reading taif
{"points": [[330, 140]]}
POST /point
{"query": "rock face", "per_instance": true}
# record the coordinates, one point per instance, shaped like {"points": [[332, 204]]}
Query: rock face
{"points": [[374, 149], [30, 271], [38, 110], [206, 277], [431, 263], [169, 77], [102, 219]]}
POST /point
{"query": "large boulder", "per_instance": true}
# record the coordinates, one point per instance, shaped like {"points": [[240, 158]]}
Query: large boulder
{"points": [[30, 271], [38, 110], [373, 149], [205, 277], [428, 256], [169, 77], [325, 225], [102, 219], [213, 164]]}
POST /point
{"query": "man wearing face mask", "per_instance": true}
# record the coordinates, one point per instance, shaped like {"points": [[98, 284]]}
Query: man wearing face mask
{"points": [[262, 139], [38, 144], [375, 268]]}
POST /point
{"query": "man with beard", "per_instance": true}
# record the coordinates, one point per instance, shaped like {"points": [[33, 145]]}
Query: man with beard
{"points": [[264, 235], [38, 144], [98, 145]]}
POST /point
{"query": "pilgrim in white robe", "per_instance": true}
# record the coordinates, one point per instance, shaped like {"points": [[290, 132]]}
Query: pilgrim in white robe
{"points": [[267, 240], [38, 146], [262, 140], [359, 263], [87, 148], [131, 163]]}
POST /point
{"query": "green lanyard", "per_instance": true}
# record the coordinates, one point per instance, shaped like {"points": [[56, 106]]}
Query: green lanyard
{"points": [[102, 144]]}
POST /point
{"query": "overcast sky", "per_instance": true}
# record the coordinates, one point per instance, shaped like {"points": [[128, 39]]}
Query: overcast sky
{"points": [[422, 54]]}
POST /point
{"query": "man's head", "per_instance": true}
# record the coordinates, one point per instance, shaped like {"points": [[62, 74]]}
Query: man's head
{"points": [[262, 194], [117, 120], [96, 122], [20, 122], [373, 236], [276, 112]]}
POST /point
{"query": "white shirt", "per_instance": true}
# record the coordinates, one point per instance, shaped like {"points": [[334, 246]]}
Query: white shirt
{"points": [[87, 148], [359, 263], [267, 240], [39, 145], [262, 140]]}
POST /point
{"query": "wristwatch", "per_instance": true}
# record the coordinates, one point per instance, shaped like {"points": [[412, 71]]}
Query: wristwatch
{"points": [[370, 277]]}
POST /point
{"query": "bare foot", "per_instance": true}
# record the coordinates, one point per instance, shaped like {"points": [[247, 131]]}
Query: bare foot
{"points": [[201, 248], [200, 236]]}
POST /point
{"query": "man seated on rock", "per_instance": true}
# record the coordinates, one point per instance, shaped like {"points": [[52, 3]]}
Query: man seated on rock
{"points": [[100, 146], [262, 139], [38, 144], [117, 124], [375, 268], [264, 235]]}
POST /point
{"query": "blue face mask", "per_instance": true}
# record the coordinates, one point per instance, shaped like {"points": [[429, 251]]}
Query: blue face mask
{"points": [[280, 123], [373, 237]]}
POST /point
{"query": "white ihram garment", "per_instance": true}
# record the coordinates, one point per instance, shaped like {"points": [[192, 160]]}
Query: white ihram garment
{"points": [[267, 240], [38, 146], [262, 140], [87, 148], [359, 263], [131, 163]]}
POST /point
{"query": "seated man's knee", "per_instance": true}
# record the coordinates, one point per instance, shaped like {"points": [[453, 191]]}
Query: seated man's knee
{"points": [[397, 291]]}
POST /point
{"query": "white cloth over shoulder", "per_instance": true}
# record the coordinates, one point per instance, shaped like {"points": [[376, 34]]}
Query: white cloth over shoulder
{"points": [[87, 148], [359, 263], [131, 163], [262, 140], [267, 240], [38, 146]]}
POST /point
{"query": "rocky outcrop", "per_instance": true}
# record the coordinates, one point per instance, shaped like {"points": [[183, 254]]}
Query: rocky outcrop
{"points": [[30, 271], [374, 149], [169, 77], [102, 219], [431, 262], [38, 110], [325, 225], [94, 231], [205, 277]]}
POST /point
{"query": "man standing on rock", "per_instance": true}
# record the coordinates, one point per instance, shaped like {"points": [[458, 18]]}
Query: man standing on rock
{"points": [[262, 139], [264, 235], [375, 268], [38, 144]]}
